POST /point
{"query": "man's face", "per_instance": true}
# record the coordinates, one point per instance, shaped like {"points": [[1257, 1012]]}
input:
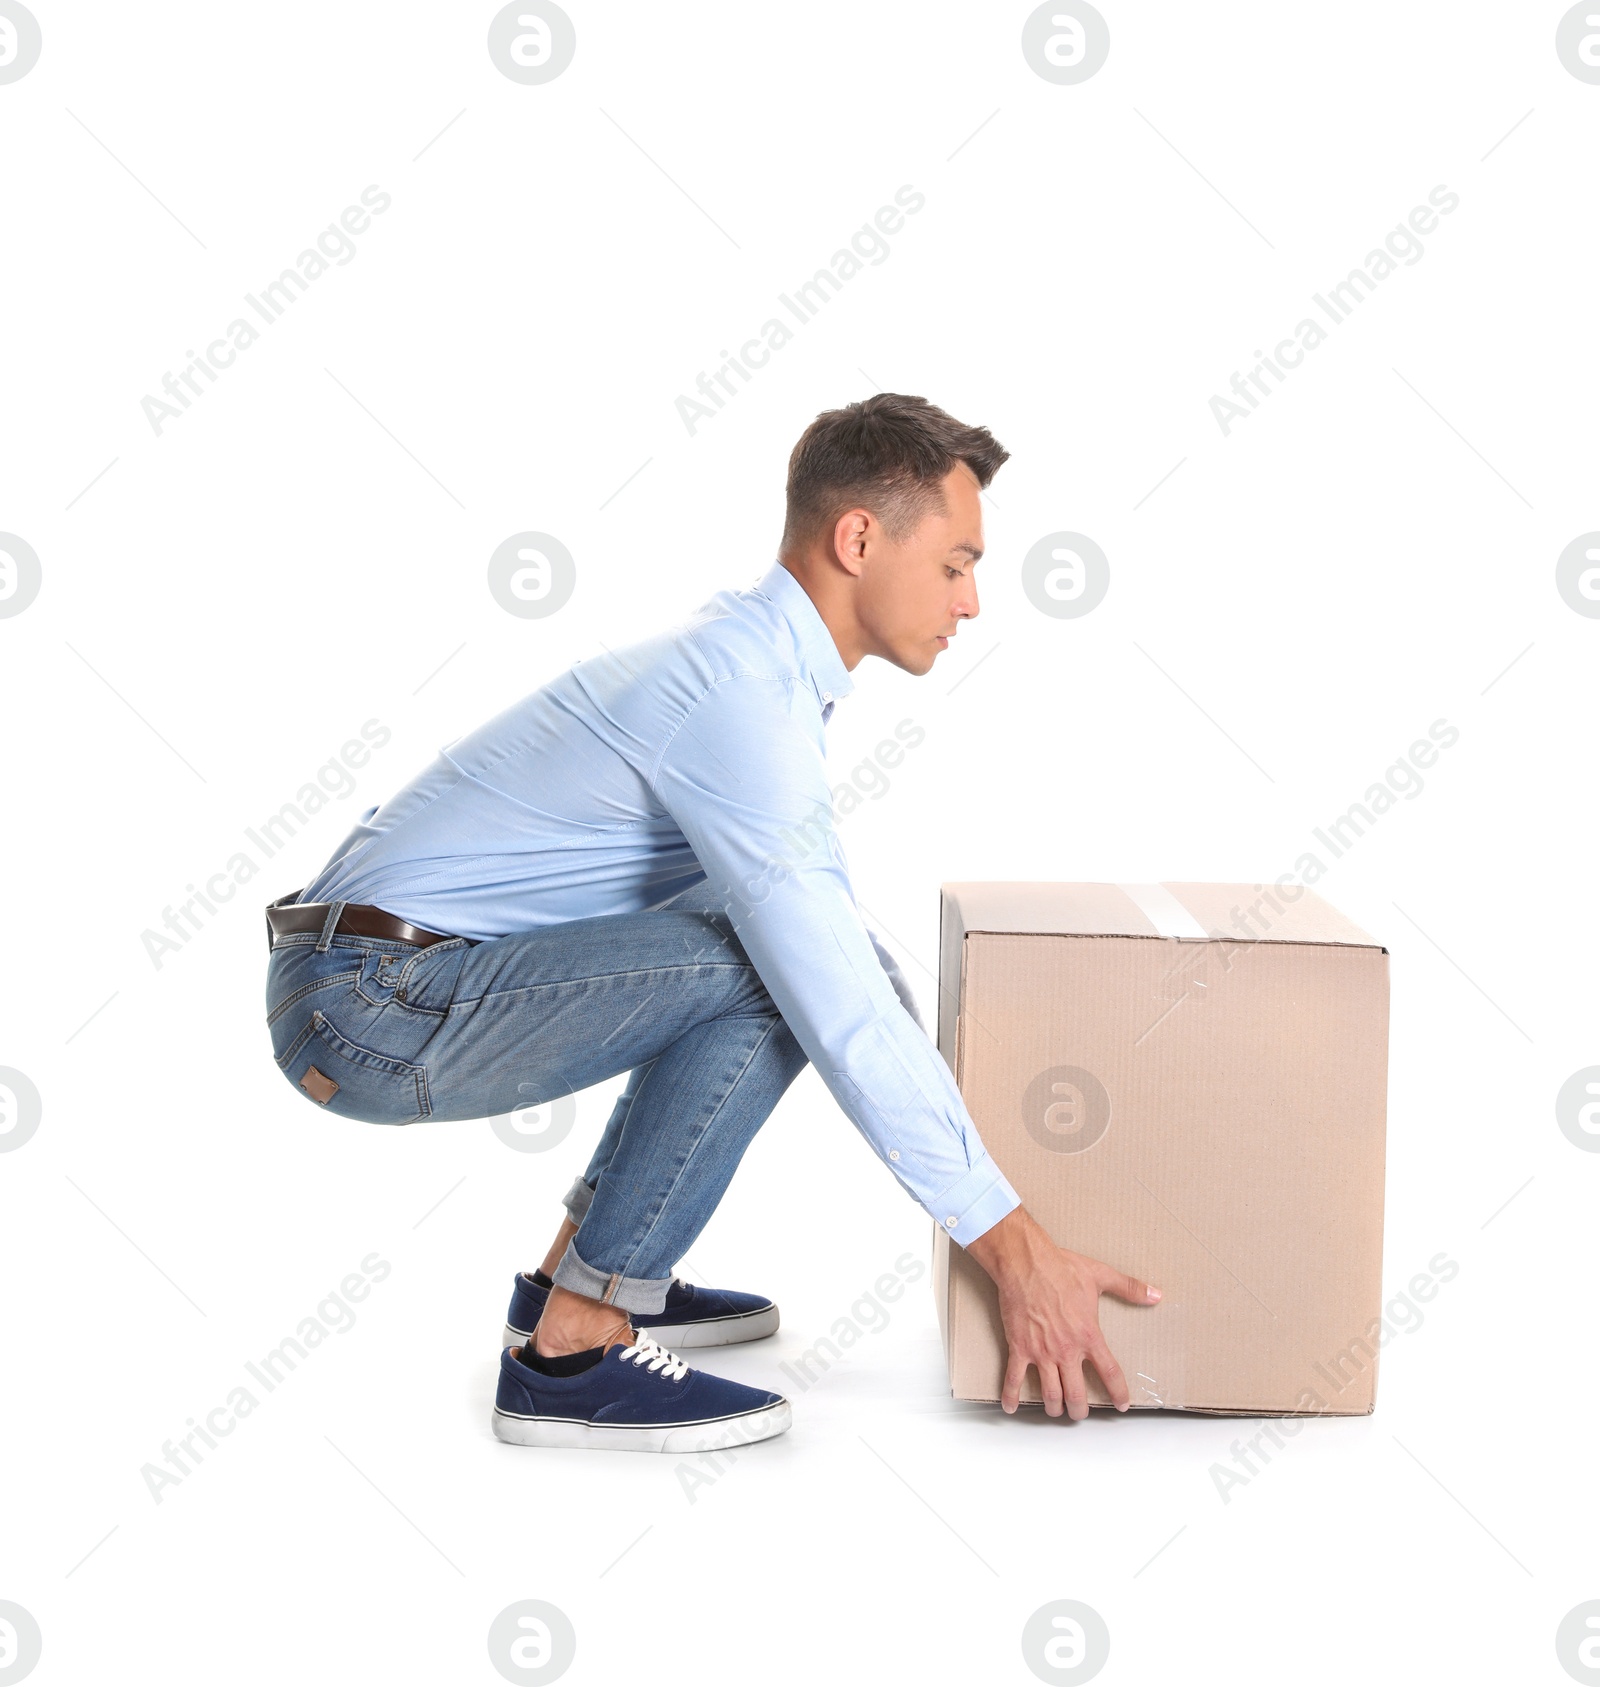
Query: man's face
{"points": [[915, 592]]}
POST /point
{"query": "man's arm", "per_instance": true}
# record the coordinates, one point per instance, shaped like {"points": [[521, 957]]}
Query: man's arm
{"points": [[745, 781], [749, 790]]}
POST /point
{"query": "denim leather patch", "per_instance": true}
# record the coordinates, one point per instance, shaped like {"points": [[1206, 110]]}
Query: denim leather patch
{"points": [[318, 1085]]}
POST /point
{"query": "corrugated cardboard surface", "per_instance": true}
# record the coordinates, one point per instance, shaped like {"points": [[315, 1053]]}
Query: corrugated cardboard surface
{"points": [[1207, 1115]]}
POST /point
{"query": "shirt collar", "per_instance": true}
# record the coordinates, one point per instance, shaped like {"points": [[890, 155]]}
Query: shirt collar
{"points": [[824, 666]]}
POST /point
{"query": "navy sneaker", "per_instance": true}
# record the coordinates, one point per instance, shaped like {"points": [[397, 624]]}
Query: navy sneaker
{"points": [[635, 1399], [692, 1317]]}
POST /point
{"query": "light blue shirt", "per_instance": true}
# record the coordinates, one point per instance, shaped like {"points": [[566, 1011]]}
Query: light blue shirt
{"points": [[696, 754]]}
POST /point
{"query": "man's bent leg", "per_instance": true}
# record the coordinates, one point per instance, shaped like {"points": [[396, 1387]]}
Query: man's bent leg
{"points": [[696, 1109], [698, 898], [668, 995], [577, 1198]]}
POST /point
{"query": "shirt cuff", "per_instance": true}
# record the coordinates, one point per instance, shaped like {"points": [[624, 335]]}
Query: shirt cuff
{"points": [[976, 1204]]}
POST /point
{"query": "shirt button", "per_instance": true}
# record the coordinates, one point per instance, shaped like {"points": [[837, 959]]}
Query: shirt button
{"points": [[827, 697], [950, 1223], [894, 1153]]}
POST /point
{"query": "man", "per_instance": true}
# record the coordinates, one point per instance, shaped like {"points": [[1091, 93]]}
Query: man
{"points": [[635, 869]]}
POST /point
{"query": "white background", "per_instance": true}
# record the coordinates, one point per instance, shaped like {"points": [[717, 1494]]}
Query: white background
{"points": [[223, 604]]}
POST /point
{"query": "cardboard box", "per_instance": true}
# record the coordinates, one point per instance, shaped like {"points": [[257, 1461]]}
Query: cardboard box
{"points": [[1188, 1082]]}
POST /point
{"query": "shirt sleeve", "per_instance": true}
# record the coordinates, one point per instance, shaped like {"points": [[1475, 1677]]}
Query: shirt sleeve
{"points": [[747, 785]]}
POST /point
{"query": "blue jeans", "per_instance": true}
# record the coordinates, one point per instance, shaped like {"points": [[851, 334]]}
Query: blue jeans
{"points": [[385, 1032]]}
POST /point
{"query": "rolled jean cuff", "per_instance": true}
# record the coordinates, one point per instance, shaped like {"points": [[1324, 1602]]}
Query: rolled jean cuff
{"points": [[627, 1294], [577, 1199]]}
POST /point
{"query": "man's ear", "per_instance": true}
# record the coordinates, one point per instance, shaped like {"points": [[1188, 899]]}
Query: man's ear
{"points": [[850, 534]]}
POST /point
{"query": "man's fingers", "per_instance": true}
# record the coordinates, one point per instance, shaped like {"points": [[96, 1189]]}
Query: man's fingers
{"points": [[1127, 1288], [1110, 1374], [1011, 1388], [1077, 1391], [1050, 1387]]}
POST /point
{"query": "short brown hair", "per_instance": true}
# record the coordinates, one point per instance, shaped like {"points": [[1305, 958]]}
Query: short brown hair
{"points": [[886, 454]]}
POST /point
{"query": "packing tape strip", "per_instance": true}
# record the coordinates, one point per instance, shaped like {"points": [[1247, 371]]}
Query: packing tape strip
{"points": [[1164, 911]]}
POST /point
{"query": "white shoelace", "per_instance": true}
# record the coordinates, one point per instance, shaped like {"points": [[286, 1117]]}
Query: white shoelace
{"points": [[654, 1357]]}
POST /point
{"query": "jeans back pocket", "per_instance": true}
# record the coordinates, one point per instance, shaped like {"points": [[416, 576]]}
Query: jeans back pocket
{"points": [[352, 1081]]}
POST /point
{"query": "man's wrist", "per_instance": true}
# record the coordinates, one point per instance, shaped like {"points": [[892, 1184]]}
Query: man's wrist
{"points": [[1011, 1247]]}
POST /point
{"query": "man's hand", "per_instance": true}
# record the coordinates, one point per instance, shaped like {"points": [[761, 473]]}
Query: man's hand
{"points": [[1050, 1305]]}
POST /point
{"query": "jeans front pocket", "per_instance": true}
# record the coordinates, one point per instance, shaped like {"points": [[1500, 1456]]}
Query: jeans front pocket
{"points": [[426, 983], [352, 1081], [381, 972]]}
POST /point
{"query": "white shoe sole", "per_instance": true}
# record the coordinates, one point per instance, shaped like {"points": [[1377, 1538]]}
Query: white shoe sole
{"points": [[663, 1438], [708, 1332]]}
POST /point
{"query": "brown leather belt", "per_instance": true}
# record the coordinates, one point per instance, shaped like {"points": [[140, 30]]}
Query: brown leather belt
{"points": [[359, 919]]}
